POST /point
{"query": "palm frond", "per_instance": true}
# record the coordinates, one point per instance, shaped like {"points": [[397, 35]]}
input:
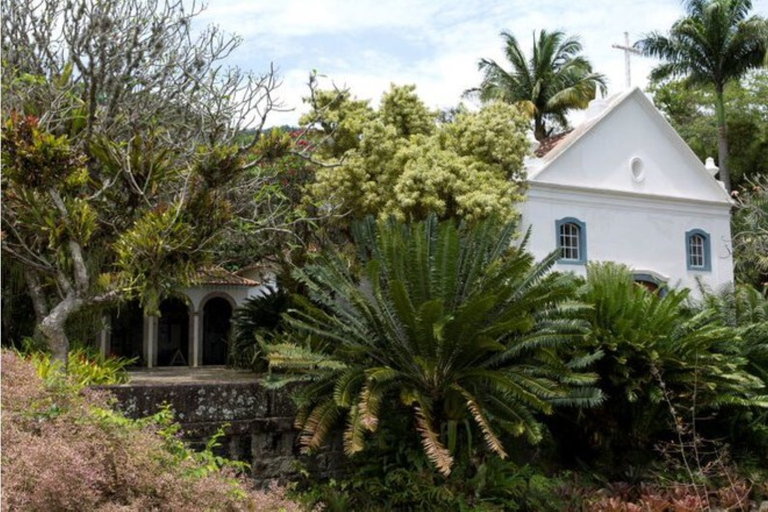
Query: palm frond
{"points": [[354, 435], [317, 425], [437, 453], [491, 439]]}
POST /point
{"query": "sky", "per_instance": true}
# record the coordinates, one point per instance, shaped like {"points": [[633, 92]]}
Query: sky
{"points": [[366, 45]]}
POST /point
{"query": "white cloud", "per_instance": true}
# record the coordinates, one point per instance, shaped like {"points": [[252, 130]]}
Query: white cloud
{"points": [[366, 45]]}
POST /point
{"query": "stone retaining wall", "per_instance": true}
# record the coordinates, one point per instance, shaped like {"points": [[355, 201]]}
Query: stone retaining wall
{"points": [[260, 429]]}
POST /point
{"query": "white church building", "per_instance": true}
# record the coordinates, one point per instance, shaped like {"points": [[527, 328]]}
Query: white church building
{"points": [[623, 186]]}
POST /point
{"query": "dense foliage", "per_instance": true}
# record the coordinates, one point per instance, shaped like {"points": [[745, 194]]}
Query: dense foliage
{"points": [[683, 424], [744, 310], [258, 320], [717, 42], [397, 161], [87, 366], [663, 366], [449, 325], [68, 450], [119, 130], [750, 234], [688, 109]]}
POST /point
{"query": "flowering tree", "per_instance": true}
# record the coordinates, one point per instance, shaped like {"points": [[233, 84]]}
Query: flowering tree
{"points": [[397, 161]]}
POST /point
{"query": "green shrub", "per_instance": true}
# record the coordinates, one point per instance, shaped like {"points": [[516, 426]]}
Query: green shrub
{"points": [[87, 366], [446, 324], [744, 309], [258, 319]]}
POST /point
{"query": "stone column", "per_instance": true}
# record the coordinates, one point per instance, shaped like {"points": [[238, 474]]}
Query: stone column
{"points": [[197, 340], [150, 340], [105, 335]]}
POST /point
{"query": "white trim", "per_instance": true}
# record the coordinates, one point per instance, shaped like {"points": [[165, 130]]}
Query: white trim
{"points": [[553, 191], [661, 278]]}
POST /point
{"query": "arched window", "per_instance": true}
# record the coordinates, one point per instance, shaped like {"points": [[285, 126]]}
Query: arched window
{"points": [[571, 240], [697, 250]]}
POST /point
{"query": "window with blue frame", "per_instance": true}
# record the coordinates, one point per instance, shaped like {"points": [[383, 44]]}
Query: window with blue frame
{"points": [[697, 250], [571, 240]]}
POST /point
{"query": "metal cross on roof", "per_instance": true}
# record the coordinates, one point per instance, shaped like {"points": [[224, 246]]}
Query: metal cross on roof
{"points": [[627, 51]]}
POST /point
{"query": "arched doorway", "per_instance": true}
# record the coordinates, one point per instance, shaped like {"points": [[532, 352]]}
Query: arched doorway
{"points": [[127, 335], [173, 333], [651, 282], [217, 314]]}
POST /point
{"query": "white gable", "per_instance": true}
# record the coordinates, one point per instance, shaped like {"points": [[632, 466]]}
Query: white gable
{"points": [[635, 192], [629, 148]]}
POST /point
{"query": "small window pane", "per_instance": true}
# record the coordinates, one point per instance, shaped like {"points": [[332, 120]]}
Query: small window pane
{"points": [[696, 251], [570, 248]]}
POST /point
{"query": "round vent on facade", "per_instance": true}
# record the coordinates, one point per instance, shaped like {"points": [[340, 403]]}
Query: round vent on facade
{"points": [[637, 167]]}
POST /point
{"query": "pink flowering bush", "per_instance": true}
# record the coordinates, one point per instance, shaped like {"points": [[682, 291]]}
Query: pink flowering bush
{"points": [[64, 450]]}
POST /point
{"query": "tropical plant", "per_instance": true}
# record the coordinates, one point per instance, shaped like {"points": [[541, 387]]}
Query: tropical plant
{"points": [[99, 202], [750, 234], [663, 367], [716, 42], [689, 110], [554, 81], [258, 318], [745, 310], [87, 367], [449, 324]]}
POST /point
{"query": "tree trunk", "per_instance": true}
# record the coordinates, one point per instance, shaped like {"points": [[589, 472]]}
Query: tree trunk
{"points": [[52, 328], [539, 129], [37, 294], [722, 141]]}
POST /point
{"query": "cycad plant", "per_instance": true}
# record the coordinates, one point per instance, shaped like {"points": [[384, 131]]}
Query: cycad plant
{"points": [[665, 367], [255, 321], [745, 310], [449, 324]]}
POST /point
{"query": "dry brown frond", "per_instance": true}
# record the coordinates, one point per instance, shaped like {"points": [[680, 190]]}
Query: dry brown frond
{"points": [[369, 408], [353, 435], [491, 440], [436, 452], [317, 426]]}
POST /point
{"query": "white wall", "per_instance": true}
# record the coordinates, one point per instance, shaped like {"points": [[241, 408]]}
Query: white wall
{"points": [[198, 294], [644, 233]]}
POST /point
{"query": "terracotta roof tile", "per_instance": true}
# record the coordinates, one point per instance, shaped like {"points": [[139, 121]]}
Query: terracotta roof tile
{"points": [[548, 144], [218, 276]]}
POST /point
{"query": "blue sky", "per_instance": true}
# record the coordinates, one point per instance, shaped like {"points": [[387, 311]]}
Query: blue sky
{"points": [[366, 44]]}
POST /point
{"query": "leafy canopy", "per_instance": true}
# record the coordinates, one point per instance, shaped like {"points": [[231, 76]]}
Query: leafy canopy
{"points": [[396, 161], [689, 109], [447, 323], [121, 128], [715, 43], [750, 233]]}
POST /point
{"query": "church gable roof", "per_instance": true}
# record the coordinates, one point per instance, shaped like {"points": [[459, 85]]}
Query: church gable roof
{"points": [[627, 146]]}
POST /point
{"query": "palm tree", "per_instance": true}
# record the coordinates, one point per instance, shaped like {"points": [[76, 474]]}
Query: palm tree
{"points": [[447, 324], [715, 43], [553, 82]]}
